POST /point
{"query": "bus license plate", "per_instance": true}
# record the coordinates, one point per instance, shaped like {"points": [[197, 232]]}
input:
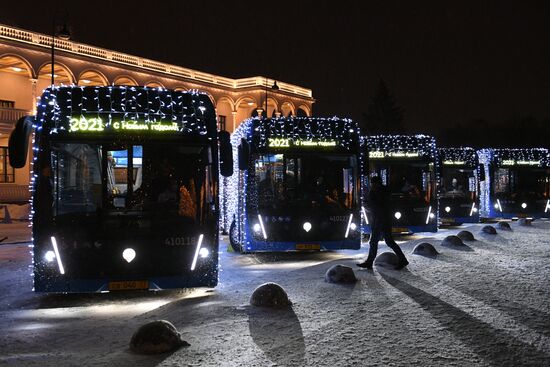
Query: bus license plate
{"points": [[308, 246], [128, 285]]}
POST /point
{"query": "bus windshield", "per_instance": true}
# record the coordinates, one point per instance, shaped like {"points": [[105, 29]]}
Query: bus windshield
{"points": [[294, 181], [458, 182], [160, 177], [522, 182], [407, 179]]}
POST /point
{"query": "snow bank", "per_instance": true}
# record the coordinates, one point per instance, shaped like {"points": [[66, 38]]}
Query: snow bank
{"points": [[466, 236], [155, 337], [504, 226], [340, 274], [270, 295], [425, 249], [387, 259], [524, 222], [488, 230], [452, 241]]}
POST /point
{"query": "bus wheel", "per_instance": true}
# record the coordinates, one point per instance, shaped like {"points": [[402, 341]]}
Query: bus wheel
{"points": [[233, 240]]}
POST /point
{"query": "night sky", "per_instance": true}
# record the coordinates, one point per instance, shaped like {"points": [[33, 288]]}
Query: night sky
{"points": [[446, 64]]}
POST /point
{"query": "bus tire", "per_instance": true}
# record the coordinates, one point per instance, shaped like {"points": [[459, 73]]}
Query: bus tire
{"points": [[233, 241]]}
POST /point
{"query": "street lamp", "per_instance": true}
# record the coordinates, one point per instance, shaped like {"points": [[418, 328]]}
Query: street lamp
{"points": [[274, 87], [64, 35]]}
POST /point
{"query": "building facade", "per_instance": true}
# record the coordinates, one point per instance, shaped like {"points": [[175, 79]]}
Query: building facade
{"points": [[26, 68]]}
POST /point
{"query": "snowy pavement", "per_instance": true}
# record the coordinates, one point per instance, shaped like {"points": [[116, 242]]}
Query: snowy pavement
{"points": [[484, 305]]}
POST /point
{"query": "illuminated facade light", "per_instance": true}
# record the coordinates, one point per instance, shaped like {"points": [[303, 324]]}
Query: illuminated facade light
{"points": [[16, 69], [524, 205], [473, 210], [307, 226], [49, 256], [129, 254], [57, 256], [349, 225], [197, 251], [364, 212], [203, 252], [429, 216], [262, 226], [397, 215], [447, 209]]}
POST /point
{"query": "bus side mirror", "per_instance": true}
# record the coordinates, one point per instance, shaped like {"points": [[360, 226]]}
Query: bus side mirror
{"points": [[244, 154], [19, 142], [226, 154], [481, 172]]}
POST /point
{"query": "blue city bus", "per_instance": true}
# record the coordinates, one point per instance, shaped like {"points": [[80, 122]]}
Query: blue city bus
{"points": [[459, 179], [517, 183], [296, 185], [125, 188], [407, 165]]}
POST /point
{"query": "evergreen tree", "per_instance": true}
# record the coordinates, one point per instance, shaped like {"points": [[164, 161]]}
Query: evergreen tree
{"points": [[383, 115]]}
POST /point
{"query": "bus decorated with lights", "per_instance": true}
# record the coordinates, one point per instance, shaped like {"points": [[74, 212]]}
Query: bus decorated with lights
{"points": [[296, 185], [459, 179], [517, 183], [407, 165], [125, 189]]}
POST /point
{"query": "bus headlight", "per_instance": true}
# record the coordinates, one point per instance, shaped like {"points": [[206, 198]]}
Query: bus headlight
{"points": [[307, 226], [353, 226], [49, 256], [397, 215], [432, 215], [257, 227], [496, 206], [203, 252], [524, 205], [129, 254], [447, 209]]}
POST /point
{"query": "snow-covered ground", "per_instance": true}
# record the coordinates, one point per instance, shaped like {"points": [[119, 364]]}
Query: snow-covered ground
{"points": [[485, 305]]}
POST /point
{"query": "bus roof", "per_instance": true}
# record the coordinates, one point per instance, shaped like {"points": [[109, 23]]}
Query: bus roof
{"points": [[139, 108], [299, 131], [464, 156], [422, 146], [538, 157]]}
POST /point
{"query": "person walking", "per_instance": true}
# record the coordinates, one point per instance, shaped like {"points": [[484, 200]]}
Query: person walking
{"points": [[379, 204]]}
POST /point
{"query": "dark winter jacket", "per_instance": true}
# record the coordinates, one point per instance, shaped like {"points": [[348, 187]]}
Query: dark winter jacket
{"points": [[379, 207]]}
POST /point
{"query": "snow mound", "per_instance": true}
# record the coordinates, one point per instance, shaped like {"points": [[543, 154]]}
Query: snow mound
{"points": [[387, 259], [270, 295], [340, 274], [504, 226], [452, 241], [489, 230], [524, 222], [466, 236], [155, 337], [425, 249]]}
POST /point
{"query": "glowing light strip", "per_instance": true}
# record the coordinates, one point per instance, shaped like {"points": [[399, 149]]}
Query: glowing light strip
{"points": [[262, 225], [499, 206], [57, 256], [197, 252], [547, 206], [349, 224], [429, 212], [365, 214], [473, 207]]}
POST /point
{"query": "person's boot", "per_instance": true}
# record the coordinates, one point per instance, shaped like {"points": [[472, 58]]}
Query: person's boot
{"points": [[365, 265], [402, 263]]}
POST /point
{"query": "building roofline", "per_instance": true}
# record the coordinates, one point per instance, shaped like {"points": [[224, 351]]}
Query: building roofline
{"points": [[81, 49]]}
